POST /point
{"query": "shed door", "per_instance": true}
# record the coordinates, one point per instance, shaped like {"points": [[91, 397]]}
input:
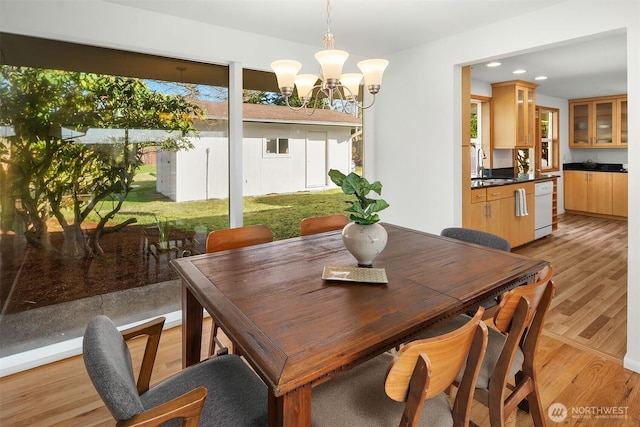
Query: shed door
{"points": [[316, 159]]}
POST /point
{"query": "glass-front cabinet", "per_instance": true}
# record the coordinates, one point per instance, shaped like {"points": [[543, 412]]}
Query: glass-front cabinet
{"points": [[513, 114], [622, 124], [598, 122]]}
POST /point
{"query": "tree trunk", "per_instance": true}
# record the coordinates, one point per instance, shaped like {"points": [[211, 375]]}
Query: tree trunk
{"points": [[75, 243]]}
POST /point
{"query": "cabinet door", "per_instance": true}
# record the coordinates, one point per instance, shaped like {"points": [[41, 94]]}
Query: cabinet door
{"points": [[500, 217], [599, 196], [579, 124], [575, 190], [620, 189], [525, 116], [622, 124], [523, 230], [604, 114], [477, 216]]}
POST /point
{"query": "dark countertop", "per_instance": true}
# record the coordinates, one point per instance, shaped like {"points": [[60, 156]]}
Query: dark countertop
{"points": [[595, 167], [497, 181]]}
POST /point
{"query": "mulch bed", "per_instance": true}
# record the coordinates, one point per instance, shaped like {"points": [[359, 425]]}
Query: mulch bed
{"points": [[30, 278]]}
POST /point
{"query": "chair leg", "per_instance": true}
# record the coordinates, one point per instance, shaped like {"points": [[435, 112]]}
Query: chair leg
{"points": [[215, 341]]}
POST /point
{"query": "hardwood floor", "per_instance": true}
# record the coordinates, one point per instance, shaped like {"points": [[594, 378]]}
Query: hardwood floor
{"points": [[589, 259], [589, 266]]}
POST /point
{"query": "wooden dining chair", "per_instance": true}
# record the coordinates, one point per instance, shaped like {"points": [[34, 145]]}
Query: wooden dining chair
{"points": [[407, 389], [233, 238], [511, 351], [220, 391], [320, 224]]}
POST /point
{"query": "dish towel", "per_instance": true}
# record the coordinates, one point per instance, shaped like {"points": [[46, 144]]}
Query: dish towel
{"points": [[521, 202]]}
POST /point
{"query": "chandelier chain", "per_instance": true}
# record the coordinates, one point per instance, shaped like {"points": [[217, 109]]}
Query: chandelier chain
{"points": [[328, 36]]}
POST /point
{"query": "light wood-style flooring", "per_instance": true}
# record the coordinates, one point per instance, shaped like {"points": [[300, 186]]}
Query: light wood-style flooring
{"points": [[589, 259], [61, 394]]}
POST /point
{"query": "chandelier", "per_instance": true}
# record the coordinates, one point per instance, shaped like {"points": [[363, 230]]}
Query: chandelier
{"points": [[333, 85]]}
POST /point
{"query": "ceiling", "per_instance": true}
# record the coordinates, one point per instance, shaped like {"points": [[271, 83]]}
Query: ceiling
{"points": [[377, 28], [595, 66]]}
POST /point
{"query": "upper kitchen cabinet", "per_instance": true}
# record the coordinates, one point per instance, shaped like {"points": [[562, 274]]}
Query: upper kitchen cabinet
{"points": [[513, 114], [598, 122]]}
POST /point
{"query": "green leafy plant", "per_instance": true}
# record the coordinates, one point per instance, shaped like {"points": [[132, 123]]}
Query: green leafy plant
{"points": [[363, 210], [164, 229]]}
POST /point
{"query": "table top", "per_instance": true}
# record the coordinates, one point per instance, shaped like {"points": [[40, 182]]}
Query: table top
{"points": [[296, 329]]}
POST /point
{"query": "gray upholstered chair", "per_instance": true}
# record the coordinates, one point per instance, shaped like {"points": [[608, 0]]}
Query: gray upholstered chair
{"points": [[478, 237], [221, 391], [406, 388]]}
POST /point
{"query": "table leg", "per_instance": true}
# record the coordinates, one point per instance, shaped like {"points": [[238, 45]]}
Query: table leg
{"points": [[191, 328], [291, 410]]}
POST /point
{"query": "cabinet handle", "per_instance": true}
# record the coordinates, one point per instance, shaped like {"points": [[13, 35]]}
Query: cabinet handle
{"points": [[496, 194]]}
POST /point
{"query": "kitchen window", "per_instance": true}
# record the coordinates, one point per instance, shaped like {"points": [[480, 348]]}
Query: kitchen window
{"points": [[547, 149]]}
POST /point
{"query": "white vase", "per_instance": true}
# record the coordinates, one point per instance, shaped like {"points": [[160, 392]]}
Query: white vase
{"points": [[364, 242]]}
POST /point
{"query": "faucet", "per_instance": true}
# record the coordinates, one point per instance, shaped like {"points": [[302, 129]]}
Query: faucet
{"points": [[481, 156]]}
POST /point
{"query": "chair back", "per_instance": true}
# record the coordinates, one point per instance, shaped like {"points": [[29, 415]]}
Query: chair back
{"points": [[509, 301], [478, 237], [320, 224], [108, 362], [234, 238], [445, 354]]}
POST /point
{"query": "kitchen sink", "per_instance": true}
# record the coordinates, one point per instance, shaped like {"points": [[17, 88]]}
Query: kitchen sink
{"points": [[493, 181]]}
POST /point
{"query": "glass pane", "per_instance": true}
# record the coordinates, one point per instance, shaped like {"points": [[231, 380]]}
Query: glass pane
{"points": [[520, 136], [624, 133], [604, 123], [581, 124], [272, 146], [283, 146], [129, 166], [545, 139]]}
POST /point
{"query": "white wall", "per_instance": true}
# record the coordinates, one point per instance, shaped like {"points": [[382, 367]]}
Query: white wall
{"points": [[416, 130], [421, 97], [203, 172]]}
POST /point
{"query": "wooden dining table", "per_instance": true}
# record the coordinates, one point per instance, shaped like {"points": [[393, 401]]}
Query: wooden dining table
{"points": [[297, 330]]}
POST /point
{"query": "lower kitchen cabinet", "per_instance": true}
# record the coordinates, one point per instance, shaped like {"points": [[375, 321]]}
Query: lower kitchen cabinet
{"points": [[595, 192], [620, 194], [493, 210]]}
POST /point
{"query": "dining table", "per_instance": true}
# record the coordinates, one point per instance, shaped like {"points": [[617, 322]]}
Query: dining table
{"points": [[297, 330]]}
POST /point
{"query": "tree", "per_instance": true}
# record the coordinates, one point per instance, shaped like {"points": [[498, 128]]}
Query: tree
{"points": [[52, 174]]}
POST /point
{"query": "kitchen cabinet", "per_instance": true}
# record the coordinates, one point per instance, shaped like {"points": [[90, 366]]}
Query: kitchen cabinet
{"points": [[513, 107], [588, 191], [493, 210], [598, 122], [620, 194]]}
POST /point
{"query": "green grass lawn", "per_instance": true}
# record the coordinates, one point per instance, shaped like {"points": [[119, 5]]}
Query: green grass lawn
{"points": [[282, 213]]}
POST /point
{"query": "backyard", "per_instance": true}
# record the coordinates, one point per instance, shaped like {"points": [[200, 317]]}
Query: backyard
{"points": [[132, 258]]}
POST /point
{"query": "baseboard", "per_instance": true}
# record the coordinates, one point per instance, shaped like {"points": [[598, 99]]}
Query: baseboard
{"points": [[631, 364], [30, 359]]}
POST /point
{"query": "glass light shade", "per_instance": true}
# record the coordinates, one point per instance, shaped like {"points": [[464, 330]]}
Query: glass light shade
{"points": [[373, 70], [286, 71], [331, 62], [352, 82], [305, 84]]}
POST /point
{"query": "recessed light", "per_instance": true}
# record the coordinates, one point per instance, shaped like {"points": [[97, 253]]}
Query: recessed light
{"points": [[494, 64], [519, 71], [540, 78]]}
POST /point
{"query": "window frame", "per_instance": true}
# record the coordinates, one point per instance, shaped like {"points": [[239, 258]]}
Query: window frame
{"points": [[554, 164], [265, 144]]}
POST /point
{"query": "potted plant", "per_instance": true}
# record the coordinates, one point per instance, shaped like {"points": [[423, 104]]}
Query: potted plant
{"points": [[364, 238]]}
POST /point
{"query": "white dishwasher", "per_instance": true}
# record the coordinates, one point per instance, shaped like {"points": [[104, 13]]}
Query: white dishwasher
{"points": [[544, 208]]}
